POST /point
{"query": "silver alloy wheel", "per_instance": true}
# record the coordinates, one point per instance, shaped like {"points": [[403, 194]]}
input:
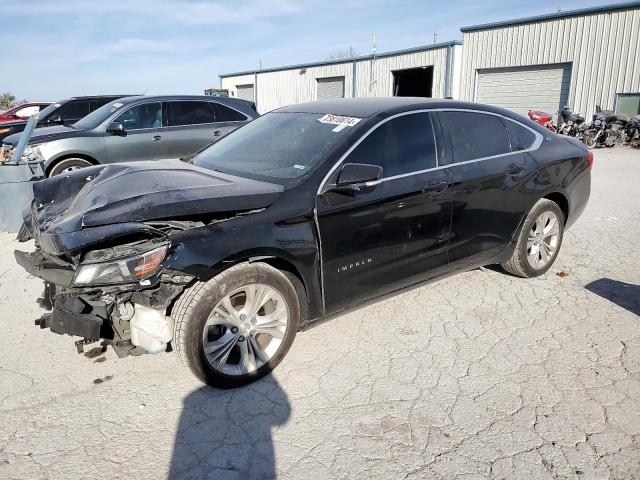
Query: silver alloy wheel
{"points": [[543, 239], [245, 329]]}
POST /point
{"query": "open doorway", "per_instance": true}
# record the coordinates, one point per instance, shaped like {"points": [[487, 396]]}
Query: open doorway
{"points": [[413, 82]]}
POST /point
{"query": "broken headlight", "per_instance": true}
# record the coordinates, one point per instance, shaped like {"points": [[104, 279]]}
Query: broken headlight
{"points": [[124, 270], [32, 153]]}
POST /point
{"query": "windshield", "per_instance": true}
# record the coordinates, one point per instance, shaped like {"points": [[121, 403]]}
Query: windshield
{"points": [[98, 116], [282, 146], [49, 110]]}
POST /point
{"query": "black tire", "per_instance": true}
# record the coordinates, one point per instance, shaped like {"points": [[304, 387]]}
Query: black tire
{"points": [[589, 141], [192, 309], [518, 264], [68, 164]]}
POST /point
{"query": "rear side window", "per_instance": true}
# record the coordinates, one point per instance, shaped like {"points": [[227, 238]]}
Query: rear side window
{"points": [[402, 145], [521, 138], [476, 135], [191, 113], [227, 114], [73, 110]]}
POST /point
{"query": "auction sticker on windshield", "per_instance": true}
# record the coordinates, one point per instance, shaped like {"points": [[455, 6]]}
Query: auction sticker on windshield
{"points": [[339, 120]]}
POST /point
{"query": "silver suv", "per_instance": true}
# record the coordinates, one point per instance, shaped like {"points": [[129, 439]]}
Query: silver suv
{"points": [[136, 128]]}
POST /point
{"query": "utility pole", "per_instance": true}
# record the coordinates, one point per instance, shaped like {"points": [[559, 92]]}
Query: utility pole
{"points": [[373, 62], [435, 37]]}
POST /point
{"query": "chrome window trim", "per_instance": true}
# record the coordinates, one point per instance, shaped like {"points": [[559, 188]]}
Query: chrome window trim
{"points": [[534, 146]]}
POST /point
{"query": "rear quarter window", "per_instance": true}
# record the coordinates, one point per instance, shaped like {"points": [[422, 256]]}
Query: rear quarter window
{"points": [[476, 135], [521, 138], [227, 114]]}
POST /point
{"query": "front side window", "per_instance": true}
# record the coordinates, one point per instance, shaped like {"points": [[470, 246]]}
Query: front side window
{"points": [[476, 135], [191, 113], [146, 115], [402, 145], [280, 146]]}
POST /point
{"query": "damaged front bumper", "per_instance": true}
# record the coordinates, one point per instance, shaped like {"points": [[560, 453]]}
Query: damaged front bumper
{"points": [[132, 318]]}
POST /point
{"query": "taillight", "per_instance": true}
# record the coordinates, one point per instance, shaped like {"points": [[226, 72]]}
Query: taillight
{"points": [[590, 159]]}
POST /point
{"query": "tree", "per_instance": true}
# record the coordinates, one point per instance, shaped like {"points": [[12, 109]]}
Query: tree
{"points": [[343, 54], [7, 101]]}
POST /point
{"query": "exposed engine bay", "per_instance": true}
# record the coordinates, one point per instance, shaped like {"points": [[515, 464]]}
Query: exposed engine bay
{"points": [[104, 235]]}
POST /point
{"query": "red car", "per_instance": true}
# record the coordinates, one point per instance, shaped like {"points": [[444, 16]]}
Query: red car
{"points": [[22, 111]]}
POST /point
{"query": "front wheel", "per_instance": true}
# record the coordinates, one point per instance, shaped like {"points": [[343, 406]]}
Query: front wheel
{"points": [[238, 326], [538, 242], [68, 165]]}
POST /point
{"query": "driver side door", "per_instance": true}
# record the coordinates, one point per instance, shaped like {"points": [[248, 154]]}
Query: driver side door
{"points": [[145, 136], [395, 232]]}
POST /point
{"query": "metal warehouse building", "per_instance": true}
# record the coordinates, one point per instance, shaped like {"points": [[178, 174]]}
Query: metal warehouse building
{"points": [[423, 71], [582, 58]]}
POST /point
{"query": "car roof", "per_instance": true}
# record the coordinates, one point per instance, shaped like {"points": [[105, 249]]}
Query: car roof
{"points": [[364, 107], [210, 98]]}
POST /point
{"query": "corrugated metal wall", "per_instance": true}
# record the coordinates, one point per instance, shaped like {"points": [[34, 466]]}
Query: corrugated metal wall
{"points": [[285, 87], [604, 49]]}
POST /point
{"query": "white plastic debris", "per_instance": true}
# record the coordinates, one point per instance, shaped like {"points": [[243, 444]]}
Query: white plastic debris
{"points": [[151, 329]]}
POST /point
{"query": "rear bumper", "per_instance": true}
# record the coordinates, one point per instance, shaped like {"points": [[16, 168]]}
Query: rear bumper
{"points": [[579, 194]]}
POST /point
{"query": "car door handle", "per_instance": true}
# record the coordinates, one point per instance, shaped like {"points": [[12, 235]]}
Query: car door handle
{"points": [[157, 137], [513, 169], [435, 187], [217, 133]]}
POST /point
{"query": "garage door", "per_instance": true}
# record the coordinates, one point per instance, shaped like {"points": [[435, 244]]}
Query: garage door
{"points": [[245, 92], [329, 88], [541, 87]]}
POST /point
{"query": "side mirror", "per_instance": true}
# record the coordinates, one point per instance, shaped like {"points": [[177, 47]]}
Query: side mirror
{"points": [[354, 176], [115, 128]]}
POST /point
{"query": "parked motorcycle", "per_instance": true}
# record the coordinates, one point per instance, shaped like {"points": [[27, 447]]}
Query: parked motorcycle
{"points": [[570, 123], [542, 118], [606, 129], [632, 132]]}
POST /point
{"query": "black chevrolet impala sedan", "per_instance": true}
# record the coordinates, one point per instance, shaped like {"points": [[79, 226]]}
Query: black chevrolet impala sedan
{"points": [[304, 212]]}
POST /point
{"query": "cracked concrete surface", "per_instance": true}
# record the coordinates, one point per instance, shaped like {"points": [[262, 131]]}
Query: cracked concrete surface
{"points": [[481, 375]]}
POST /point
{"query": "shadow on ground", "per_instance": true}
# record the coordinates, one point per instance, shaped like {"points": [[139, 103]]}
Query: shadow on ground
{"points": [[226, 434], [626, 295]]}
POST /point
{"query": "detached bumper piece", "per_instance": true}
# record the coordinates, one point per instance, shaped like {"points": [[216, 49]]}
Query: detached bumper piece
{"points": [[77, 316]]}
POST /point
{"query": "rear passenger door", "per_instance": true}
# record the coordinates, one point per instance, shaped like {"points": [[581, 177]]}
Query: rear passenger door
{"points": [[394, 233], [193, 126], [488, 182]]}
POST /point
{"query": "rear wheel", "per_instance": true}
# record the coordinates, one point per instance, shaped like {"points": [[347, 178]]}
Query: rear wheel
{"points": [[538, 242], [68, 165], [235, 328], [589, 140]]}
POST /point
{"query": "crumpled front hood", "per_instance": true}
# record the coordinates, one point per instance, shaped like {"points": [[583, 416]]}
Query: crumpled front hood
{"points": [[142, 191], [45, 134]]}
